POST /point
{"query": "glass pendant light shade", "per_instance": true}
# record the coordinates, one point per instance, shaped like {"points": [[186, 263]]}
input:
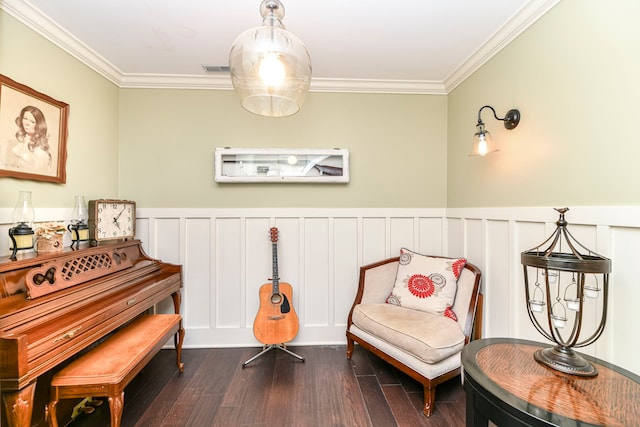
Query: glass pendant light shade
{"points": [[482, 142], [270, 67]]}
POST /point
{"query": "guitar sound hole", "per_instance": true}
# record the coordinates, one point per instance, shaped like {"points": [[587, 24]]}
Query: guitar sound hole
{"points": [[276, 298]]}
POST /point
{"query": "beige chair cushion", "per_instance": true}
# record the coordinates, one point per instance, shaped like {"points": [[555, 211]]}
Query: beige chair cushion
{"points": [[429, 337]]}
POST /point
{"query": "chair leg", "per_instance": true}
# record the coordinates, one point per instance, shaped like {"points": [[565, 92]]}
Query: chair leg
{"points": [[429, 400], [349, 348]]}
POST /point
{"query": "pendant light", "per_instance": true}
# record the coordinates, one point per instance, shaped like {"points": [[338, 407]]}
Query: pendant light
{"points": [[270, 67]]}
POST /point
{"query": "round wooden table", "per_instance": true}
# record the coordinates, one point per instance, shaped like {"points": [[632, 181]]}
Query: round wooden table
{"points": [[504, 384]]}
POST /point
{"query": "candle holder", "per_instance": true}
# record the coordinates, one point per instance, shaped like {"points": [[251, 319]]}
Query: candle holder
{"points": [[21, 234], [570, 272], [79, 228]]}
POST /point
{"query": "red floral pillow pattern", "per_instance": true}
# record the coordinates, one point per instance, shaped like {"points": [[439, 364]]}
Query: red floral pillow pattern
{"points": [[427, 283]]}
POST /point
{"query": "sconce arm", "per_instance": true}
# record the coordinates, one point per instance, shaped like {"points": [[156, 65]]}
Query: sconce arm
{"points": [[511, 119]]}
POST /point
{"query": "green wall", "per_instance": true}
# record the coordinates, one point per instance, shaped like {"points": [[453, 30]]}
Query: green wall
{"points": [[575, 77], [397, 147], [92, 147], [573, 74], [156, 146]]}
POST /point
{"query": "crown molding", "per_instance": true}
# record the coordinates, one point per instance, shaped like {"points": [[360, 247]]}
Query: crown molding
{"points": [[223, 82], [523, 19], [33, 18], [30, 16], [378, 86]]}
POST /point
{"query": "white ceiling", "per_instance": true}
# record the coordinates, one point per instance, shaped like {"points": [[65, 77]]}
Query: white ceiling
{"points": [[399, 46]]}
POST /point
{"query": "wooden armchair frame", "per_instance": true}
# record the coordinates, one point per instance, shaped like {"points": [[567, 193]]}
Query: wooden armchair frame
{"points": [[383, 273]]}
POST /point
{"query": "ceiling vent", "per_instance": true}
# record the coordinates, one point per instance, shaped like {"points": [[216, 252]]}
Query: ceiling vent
{"points": [[216, 68]]}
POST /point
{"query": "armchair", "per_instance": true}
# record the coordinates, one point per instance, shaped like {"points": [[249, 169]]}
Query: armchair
{"points": [[423, 345]]}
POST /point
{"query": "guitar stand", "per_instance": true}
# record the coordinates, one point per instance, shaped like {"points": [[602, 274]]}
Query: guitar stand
{"points": [[270, 347]]}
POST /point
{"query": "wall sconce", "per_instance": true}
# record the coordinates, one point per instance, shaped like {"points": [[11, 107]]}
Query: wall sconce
{"points": [[270, 67], [21, 234], [79, 228], [571, 277], [482, 141]]}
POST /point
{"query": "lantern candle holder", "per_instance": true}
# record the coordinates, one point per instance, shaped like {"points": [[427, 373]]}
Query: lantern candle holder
{"points": [[21, 235], [570, 272], [79, 227]]}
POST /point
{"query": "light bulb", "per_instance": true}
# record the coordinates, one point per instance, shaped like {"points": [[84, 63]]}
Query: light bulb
{"points": [[482, 145], [272, 70]]}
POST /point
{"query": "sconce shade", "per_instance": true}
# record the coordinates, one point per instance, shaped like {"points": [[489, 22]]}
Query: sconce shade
{"points": [[482, 141], [270, 67]]}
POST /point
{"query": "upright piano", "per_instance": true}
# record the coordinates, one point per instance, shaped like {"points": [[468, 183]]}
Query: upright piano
{"points": [[54, 305]]}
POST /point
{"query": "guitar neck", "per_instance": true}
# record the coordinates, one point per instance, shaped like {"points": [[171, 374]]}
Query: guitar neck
{"points": [[275, 289]]}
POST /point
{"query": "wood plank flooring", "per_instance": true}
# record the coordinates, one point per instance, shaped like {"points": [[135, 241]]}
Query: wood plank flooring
{"points": [[277, 389]]}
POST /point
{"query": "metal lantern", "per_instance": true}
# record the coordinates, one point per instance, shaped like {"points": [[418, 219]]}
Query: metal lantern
{"points": [[572, 277]]}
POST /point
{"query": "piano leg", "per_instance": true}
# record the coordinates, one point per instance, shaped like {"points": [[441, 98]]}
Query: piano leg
{"points": [[176, 301], [178, 339], [18, 406]]}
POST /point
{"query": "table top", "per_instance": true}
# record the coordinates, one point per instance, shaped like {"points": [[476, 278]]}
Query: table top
{"points": [[506, 369]]}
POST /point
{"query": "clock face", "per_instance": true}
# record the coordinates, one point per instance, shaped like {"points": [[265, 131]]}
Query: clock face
{"points": [[112, 219]]}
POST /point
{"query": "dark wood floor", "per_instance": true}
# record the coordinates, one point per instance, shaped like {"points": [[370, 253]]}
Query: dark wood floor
{"points": [[325, 390]]}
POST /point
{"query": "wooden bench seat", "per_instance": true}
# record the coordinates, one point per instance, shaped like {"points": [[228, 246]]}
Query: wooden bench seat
{"points": [[108, 368]]}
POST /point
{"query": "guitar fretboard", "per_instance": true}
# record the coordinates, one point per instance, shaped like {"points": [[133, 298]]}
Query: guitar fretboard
{"points": [[275, 289]]}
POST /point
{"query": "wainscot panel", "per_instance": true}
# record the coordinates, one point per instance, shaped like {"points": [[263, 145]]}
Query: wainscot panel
{"points": [[226, 254]]}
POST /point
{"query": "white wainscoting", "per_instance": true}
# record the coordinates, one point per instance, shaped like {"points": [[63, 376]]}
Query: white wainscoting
{"points": [[226, 257]]}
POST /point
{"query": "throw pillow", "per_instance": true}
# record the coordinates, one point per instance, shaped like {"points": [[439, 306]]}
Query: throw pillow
{"points": [[426, 283]]}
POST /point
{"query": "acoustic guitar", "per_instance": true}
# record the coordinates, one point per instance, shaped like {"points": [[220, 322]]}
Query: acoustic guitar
{"points": [[276, 321]]}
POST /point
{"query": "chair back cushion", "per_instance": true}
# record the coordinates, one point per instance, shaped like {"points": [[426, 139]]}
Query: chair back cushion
{"points": [[426, 283]]}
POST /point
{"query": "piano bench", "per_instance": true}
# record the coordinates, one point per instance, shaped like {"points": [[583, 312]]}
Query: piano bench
{"points": [[109, 367]]}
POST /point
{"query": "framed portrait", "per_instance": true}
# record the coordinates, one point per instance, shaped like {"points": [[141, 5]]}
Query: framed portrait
{"points": [[33, 134]]}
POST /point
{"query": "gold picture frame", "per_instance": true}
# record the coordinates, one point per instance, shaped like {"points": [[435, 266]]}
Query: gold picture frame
{"points": [[33, 134]]}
